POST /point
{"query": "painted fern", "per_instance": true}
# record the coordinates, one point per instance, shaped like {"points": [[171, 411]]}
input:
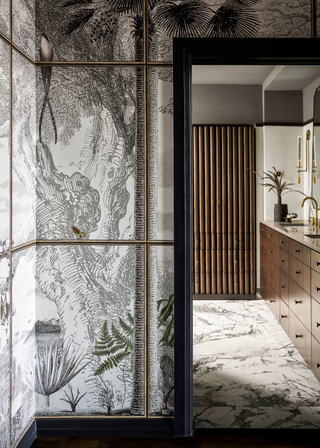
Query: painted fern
{"points": [[115, 345], [166, 318]]}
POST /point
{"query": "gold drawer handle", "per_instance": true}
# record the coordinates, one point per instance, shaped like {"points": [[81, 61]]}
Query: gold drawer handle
{"points": [[297, 301], [299, 336], [318, 365], [270, 275], [317, 262], [283, 316], [270, 235], [318, 325], [296, 251], [282, 261], [261, 264], [270, 252], [297, 272], [281, 242], [283, 286], [317, 288], [271, 300]]}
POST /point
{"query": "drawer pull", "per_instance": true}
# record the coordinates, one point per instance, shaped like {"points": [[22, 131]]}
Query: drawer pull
{"points": [[281, 242], [270, 235], [296, 251], [261, 264], [297, 301], [283, 286], [283, 316], [270, 275], [261, 287], [318, 262], [270, 252], [318, 325], [271, 300], [297, 272], [261, 244], [318, 365], [317, 288], [299, 336]]}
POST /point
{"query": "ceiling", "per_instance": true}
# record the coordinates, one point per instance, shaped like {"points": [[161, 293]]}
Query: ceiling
{"points": [[290, 77]]}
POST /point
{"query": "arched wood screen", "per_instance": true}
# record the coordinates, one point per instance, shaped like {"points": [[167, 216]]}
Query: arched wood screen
{"points": [[224, 221]]}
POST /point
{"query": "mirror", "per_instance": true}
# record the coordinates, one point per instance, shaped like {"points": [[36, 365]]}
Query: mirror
{"points": [[315, 155]]}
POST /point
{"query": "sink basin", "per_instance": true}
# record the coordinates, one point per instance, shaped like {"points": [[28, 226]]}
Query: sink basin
{"points": [[292, 224], [313, 236]]}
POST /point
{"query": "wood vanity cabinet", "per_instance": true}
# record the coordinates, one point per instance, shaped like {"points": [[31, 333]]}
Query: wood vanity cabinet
{"points": [[290, 285]]}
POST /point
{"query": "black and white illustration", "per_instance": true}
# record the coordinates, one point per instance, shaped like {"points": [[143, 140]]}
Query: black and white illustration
{"points": [[4, 351], [318, 18], [223, 18], [5, 18], [23, 341], [24, 26], [94, 30], [161, 334], [4, 143], [160, 109], [89, 331], [90, 153], [23, 150]]}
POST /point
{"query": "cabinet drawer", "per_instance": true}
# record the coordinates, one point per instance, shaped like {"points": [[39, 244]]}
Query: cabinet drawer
{"points": [[273, 252], [273, 301], [315, 319], [263, 244], [273, 276], [315, 358], [315, 285], [299, 251], [300, 303], [284, 316], [315, 260], [284, 260], [282, 241], [284, 286], [300, 273], [300, 337]]}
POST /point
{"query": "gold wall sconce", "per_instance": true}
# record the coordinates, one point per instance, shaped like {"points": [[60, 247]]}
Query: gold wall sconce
{"points": [[314, 164], [302, 169]]}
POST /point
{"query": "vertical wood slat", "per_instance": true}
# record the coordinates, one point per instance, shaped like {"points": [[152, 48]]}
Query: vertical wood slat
{"points": [[218, 210], [196, 237], [207, 210], [201, 212], [224, 210], [213, 207]]}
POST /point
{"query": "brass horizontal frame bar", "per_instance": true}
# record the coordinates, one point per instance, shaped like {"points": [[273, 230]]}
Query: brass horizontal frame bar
{"points": [[92, 243]]}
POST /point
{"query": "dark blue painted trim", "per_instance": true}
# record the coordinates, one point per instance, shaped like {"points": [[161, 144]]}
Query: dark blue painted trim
{"points": [[29, 437]]}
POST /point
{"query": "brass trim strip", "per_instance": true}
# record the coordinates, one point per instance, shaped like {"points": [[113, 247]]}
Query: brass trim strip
{"points": [[10, 242]]}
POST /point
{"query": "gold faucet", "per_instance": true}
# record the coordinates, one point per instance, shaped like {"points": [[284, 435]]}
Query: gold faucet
{"points": [[316, 222]]}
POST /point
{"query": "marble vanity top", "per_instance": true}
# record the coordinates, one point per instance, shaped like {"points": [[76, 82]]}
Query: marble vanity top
{"points": [[298, 232]]}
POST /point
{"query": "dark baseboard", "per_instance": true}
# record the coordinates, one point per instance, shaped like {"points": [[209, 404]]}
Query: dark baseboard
{"points": [[104, 427], [29, 437]]}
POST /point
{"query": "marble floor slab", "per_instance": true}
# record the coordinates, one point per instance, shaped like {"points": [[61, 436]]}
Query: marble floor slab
{"points": [[246, 371]]}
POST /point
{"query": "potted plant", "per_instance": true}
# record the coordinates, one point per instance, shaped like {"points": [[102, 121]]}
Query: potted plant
{"points": [[274, 181]]}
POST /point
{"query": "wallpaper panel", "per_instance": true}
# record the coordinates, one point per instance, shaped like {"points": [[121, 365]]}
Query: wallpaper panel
{"points": [[160, 147], [90, 308], [161, 336], [90, 152], [23, 150], [4, 143], [224, 18], [318, 18], [24, 25], [4, 351], [86, 30], [23, 341], [5, 18]]}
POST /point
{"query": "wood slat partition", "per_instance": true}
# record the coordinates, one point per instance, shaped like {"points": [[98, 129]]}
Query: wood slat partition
{"points": [[224, 221]]}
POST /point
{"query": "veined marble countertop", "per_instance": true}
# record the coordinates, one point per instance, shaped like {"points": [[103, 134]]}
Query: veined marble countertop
{"points": [[298, 232]]}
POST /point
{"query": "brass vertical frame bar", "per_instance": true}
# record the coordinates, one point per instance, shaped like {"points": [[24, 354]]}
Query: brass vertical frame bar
{"points": [[213, 207], [246, 210], [241, 211], [202, 213], [230, 210], [207, 208], [224, 207], [146, 215], [235, 212], [218, 210], [252, 229], [196, 238]]}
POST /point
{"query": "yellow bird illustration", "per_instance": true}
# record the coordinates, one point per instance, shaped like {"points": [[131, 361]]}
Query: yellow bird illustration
{"points": [[77, 232]]}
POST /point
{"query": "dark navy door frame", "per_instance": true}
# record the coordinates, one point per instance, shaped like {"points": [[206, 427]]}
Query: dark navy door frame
{"points": [[188, 52]]}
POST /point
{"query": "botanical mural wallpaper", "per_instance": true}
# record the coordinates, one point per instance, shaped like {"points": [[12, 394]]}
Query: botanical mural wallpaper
{"points": [[92, 182]]}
